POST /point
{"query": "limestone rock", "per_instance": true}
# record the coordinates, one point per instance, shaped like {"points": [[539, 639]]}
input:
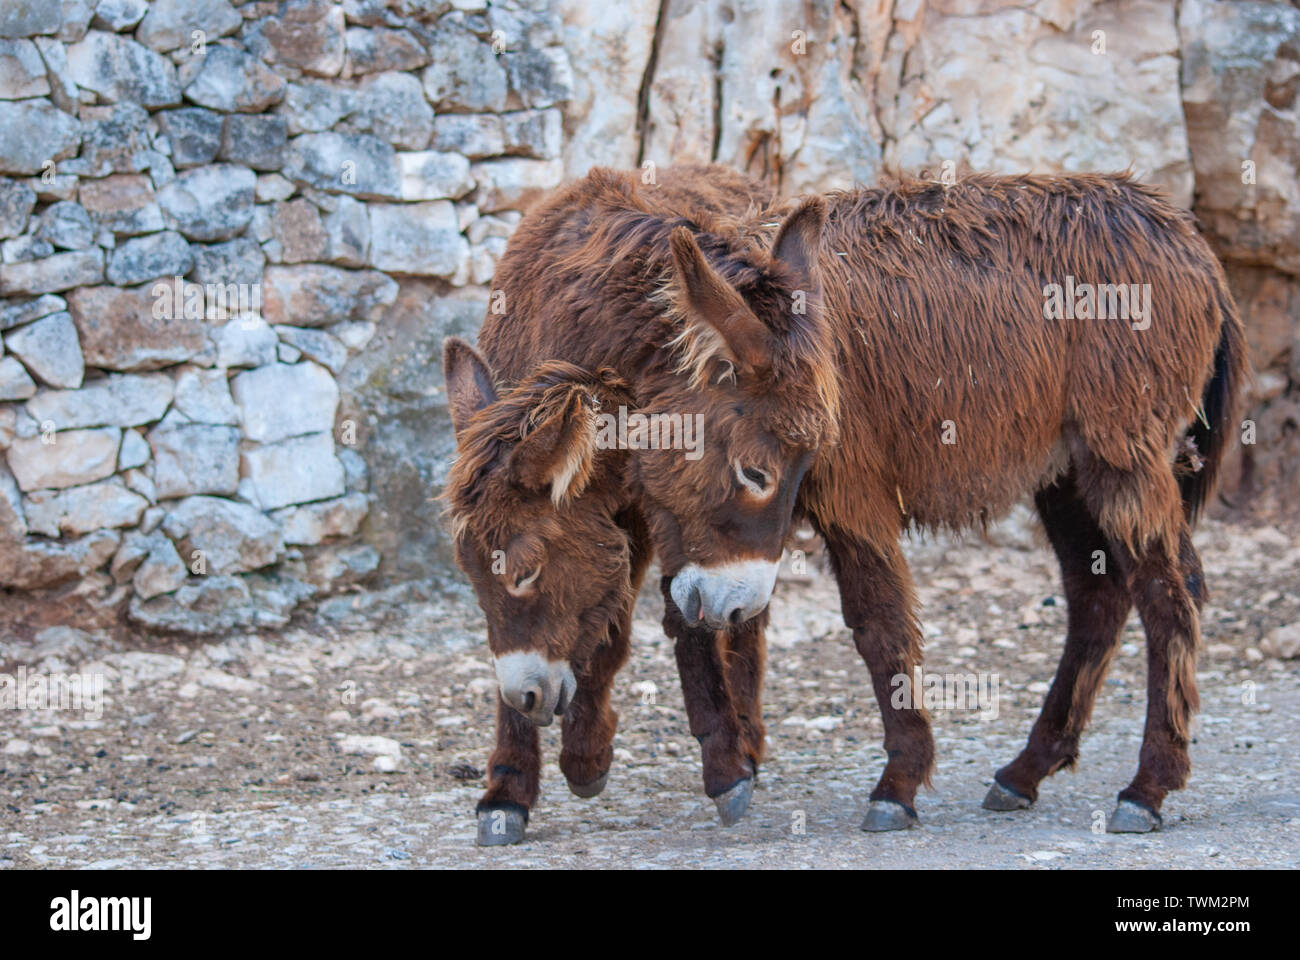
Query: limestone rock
{"points": [[80, 510], [417, 238], [306, 34], [170, 23], [203, 396], [232, 537], [285, 400], [49, 349], [258, 142], [63, 271], [194, 458], [117, 68], [15, 383], [315, 522], [33, 132], [67, 225], [70, 459], [39, 564], [124, 204], [431, 175], [146, 258], [132, 329], [113, 401], [17, 201], [297, 470], [22, 71], [359, 164], [209, 203], [194, 134], [232, 81], [316, 296]]}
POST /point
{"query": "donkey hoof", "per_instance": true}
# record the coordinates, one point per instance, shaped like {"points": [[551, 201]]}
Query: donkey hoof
{"points": [[1130, 817], [501, 827], [733, 803], [1004, 798], [589, 790], [883, 815]]}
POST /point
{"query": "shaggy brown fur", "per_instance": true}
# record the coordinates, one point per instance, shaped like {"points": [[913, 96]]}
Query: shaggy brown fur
{"points": [[919, 385]]}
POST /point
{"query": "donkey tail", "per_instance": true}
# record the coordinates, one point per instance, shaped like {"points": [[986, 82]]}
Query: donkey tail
{"points": [[1214, 423]]}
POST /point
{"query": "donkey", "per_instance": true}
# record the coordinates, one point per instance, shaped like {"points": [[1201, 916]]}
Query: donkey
{"points": [[934, 318]]}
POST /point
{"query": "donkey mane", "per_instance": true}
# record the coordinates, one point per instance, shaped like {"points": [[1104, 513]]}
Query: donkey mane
{"points": [[500, 425]]}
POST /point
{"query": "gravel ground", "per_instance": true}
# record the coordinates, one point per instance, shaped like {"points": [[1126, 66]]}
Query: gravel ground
{"points": [[231, 754]]}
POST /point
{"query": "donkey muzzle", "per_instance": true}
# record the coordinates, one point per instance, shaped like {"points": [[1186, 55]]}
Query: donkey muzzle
{"points": [[725, 594], [538, 688]]}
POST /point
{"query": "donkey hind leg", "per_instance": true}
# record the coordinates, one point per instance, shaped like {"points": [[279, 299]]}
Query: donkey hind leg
{"points": [[1142, 511], [877, 599], [590, 722], [1098, 604], [587, 737], [514, 773], [728, 773]]}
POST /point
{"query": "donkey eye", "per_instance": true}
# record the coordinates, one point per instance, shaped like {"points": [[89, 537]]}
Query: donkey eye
{"points": [[752, 479]]}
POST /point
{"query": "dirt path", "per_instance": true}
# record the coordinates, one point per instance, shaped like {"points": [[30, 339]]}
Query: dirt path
{"points": [[228, 754]]}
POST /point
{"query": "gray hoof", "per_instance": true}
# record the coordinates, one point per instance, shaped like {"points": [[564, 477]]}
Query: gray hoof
{"points": [[733, 803], [1004, 798], [885, 815], [1130, 817], [500, 827], [589, 790]]}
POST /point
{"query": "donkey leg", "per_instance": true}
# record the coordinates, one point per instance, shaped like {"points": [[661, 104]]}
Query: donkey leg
{"points": [[728, 775], [1098, 604], [745, 661], [590, 722], [514, 775], [877, 599]]}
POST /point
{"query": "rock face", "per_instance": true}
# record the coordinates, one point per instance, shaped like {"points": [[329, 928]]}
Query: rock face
{"points": [[227, 267]]}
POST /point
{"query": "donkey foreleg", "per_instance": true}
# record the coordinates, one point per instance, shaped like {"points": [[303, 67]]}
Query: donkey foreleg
{"points": [[728, 772], [514, 776], [877, 600], [590, 723]]}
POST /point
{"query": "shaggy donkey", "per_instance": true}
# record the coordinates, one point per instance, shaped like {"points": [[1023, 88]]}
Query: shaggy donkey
{"points": [[940, 384]]}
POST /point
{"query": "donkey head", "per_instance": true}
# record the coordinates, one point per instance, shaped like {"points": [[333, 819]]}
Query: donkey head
{"points": [[753, 356], [533, 507]]}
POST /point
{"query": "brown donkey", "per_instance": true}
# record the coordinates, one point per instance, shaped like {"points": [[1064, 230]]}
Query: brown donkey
{"points": [[969, 353]]}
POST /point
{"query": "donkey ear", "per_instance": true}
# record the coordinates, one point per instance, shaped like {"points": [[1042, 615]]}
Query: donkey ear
{"points": [[469, 381], [560, 451], [798, 242], [716, 302]]}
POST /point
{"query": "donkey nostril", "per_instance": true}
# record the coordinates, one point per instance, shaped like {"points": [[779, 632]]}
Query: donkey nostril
{"points": [[735, 616], [530, 701]]}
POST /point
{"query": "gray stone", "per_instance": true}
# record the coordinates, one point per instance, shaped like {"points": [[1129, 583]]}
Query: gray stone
{"points": [[466, 75], [25, 18], [272, 187], [232, 81], [17, 200], [246, 342], [114, 139], [118, 15], [313, 295], [33, 132], [476, 135], [514, 182], [279, 400], [24, 249], [355, 470], [194, 134], [170, 24], [117, 68], [216, 605], [542, 78], [332, 568], [41, 563], [203, 396], [316, 107], [15, 384], [297, 470], [63, 89], [22, 71], [392, 107], [124, 204], [67, 225], [236, 261], [316, 522], [13, 525], [430, 175], [134, 452], [534, 133], [374, 51], [232, 537], [140, 482], [142, 259], [317, 345], [419, 238], [209, 203], [118, 400], [162, 571], [49, 349], [139, 328], [347, 231], [287, 354], [79, 510], [358, 164], [76, 20], [72, 458], [194, 458], [14, 313], [255, 141]]}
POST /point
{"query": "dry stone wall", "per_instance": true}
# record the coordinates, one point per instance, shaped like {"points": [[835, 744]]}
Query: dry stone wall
{"points": [[334, 182]]}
